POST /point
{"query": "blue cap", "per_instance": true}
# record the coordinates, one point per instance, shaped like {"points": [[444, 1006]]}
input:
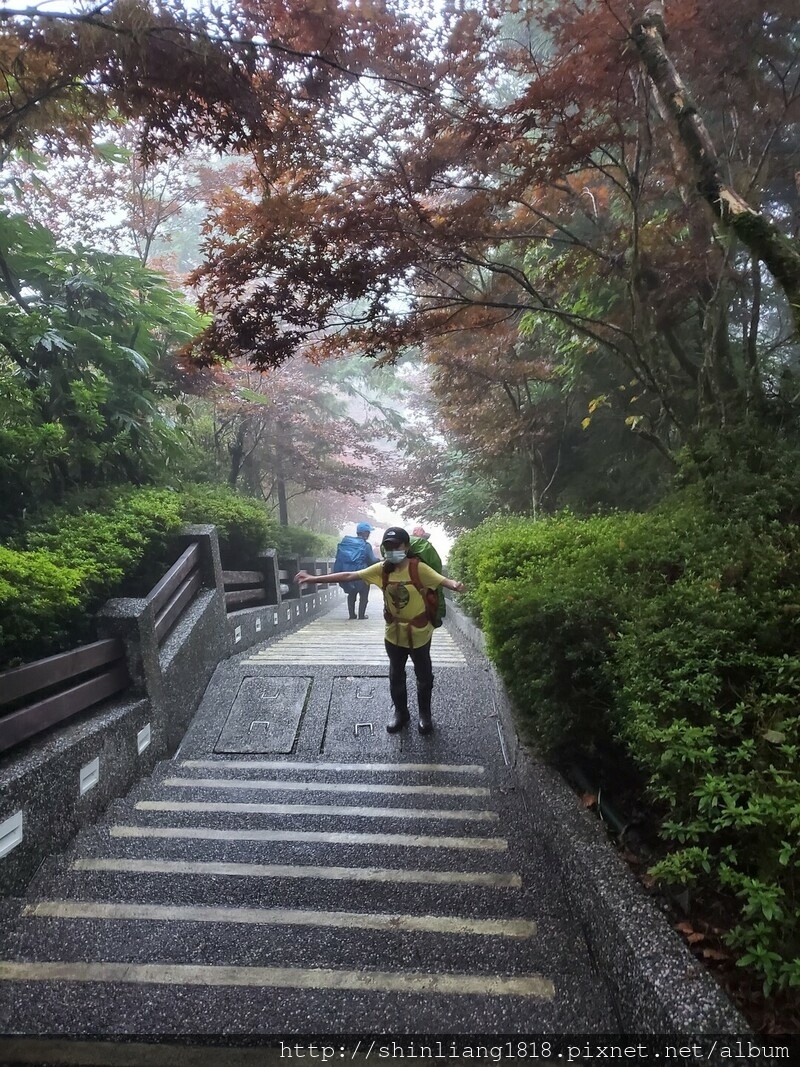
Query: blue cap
{"points": [[364, 527]]}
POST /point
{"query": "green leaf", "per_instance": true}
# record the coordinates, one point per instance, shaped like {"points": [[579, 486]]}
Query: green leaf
{"points": [[108, 152], [775, 737], [253, 396], [135, 358]]}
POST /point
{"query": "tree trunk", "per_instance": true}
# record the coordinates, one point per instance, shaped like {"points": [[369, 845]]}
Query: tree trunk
{"points": [[283, 507], [280, 483], [236, 451], [779, 253], [534, 485]]}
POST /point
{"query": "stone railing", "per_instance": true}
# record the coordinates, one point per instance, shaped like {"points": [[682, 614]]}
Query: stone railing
{"points": [[80, 728]]}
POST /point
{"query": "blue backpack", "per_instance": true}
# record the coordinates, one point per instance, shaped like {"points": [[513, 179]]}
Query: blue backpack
{"points": [[352, 554]]}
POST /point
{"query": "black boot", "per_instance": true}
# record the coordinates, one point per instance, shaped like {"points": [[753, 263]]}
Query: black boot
{"points": [[401, 718], [424, 696]]}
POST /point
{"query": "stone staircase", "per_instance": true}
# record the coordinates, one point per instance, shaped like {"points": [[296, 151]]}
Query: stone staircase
{"points": [[295, 870], [296, 896]]}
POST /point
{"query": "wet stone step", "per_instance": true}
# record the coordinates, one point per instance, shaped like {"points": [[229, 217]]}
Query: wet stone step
{"points": [[359, 882], [219, 935], [142, 1006]]}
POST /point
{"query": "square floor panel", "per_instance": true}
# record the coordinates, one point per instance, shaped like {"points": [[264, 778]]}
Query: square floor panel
{"points": [[357, 717], [265, 716]]}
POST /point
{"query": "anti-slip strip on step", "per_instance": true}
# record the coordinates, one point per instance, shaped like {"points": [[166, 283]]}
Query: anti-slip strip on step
{"points": [[199, 868], [531, 985], [200, 833], [395, 923], [298, 765], [336, 810], [310, 786]]}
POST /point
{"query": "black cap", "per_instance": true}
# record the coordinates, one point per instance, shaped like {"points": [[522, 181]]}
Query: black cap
{"points": [[396, 535]]}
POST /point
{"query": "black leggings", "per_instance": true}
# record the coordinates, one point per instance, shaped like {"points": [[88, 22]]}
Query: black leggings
{"points": [[421, 658]]}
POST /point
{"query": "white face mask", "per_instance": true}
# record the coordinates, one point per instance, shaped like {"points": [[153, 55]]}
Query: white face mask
{"points": [[395, 555]]}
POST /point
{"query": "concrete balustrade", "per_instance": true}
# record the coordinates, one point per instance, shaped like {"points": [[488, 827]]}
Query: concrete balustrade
{"points": [[43, 782]]}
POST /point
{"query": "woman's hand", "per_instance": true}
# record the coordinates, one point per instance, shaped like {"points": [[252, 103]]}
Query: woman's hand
{"points": [[458, 587], [303, 576]]}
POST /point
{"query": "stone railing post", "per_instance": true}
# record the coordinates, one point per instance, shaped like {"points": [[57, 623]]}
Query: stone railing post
{"points": [[267, 563], [291, 564], [210, 561], [310, 565], [132, 621]]}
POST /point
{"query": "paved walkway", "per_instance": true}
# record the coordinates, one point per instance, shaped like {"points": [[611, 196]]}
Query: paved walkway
{"points": [[295, 869]]}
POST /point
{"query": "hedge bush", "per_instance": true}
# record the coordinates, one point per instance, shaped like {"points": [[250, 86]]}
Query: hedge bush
{"points": [[296, 541], [109, 538], [117, 543], [40, 605], [672, 635], [243, 525]]}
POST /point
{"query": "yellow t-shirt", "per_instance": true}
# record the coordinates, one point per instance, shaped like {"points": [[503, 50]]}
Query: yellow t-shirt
{"points": [[404, 601]]}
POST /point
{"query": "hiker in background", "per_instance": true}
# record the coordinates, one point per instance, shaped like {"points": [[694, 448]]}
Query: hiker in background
{"points": [[410, 595], [354, 554]]}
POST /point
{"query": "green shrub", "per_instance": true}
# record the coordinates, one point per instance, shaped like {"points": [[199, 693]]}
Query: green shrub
{"points": [[101, 545], [469, 557], [749, 473], [708, 703], [109, 543], [551, 595], [243, 525], [673, 634], [108, 538], [296, 541], [34, 592]]}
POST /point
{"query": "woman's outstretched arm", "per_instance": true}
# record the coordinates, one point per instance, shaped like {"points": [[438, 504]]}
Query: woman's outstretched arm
{"points": [[326, 579]]}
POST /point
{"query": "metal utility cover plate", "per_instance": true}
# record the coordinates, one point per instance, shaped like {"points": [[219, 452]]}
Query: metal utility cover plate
{"points": [[265, 715], [357, 716]]}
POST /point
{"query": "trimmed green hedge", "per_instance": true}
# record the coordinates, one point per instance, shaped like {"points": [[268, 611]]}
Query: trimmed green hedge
{"points": [[672, 638], [36, 593], [107, 539], [117, 543], [294, 540]]}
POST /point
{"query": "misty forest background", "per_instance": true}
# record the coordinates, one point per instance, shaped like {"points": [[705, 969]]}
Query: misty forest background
{"points": [[524, 269]]}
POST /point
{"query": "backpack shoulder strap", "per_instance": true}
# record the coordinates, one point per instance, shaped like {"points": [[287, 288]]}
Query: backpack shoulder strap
{"points": [[413, 573]]}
